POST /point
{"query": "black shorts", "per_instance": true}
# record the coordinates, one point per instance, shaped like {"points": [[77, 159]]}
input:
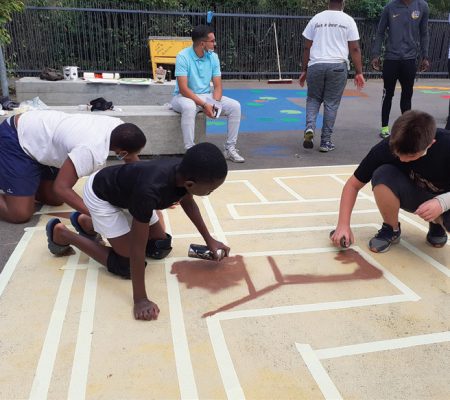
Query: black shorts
{"points": [[410, 195]]}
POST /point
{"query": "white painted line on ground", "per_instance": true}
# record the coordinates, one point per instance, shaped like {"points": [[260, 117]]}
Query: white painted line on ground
{"points": [[48, 210], [306, 308], [235, 215], [298, 169], [252, 188], [228, 374], [217, 228], [44, 370], [75, 267], [11, 264], [186, 379], [314, 176], [426, 258], [320, 375], [383, 345], [80, 366], [291, 191], [277, 202], [44, 210], [389, 276]]}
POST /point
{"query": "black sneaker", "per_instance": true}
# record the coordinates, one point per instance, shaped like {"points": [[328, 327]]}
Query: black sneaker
{"points": [[326, 146], [436, 235], [386, 236], [308, 139]]}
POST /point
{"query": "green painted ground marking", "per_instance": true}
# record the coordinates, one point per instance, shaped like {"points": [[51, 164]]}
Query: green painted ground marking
{"points": [[290, 112], [290, 119]]}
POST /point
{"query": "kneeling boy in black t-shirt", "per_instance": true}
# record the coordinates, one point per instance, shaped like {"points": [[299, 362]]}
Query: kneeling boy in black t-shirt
{"points": [[410, 170], [117, 194]]}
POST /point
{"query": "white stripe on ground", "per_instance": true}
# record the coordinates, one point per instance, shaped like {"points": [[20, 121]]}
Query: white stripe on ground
{"points": [[252, 188], [217, 228], [318, 372], [80, 366], [44, 370], [228, 374], [313, 214], [13, 260], [383, 345], [186, 379], [292, 192]]}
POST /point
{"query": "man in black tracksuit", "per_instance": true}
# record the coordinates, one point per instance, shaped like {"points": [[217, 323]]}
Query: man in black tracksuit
{"points": [[406, 24]]}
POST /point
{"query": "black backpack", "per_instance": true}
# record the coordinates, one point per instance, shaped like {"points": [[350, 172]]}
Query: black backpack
{"points": [[101, 104], [51, 74]]}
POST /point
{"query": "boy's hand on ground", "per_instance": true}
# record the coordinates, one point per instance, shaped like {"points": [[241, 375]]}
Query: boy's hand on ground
{"points": [[302, 79], [215, 246], [430, 210], [145, 310]]}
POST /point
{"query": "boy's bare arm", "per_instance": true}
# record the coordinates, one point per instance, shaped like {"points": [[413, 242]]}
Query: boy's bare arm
{"points": [[192, 211], [348, 199], [65, 181], [143, 308]]}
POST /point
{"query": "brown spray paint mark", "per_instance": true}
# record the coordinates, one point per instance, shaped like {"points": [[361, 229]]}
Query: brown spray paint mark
{"points": [[215, 276]]}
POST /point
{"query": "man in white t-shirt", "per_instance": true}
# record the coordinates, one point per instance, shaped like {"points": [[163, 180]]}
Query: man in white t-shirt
{"points": [[43, 153], [329, 37], [447, 126]]}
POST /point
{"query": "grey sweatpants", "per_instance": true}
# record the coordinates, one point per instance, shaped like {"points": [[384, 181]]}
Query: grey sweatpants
{"points": [[326, 83]]}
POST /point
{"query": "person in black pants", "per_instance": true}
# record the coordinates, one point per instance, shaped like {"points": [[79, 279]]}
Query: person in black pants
{"points": [[406, 24], [448, 118]]}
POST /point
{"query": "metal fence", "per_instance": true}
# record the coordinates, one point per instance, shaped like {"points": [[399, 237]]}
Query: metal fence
{"points": [[96, 38]]}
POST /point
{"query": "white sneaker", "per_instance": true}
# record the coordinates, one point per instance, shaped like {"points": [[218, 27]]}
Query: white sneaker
{"points": [[233, 155]]}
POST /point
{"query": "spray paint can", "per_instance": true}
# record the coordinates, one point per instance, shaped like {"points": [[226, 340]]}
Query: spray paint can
{"points": [[202, 252], [343, 241]]}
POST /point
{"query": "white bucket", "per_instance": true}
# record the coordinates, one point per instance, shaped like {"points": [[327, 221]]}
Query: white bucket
{"points": [[70, 73]]}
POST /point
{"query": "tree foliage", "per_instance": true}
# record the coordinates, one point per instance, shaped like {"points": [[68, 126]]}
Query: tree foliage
{"points": [[7, 8]]}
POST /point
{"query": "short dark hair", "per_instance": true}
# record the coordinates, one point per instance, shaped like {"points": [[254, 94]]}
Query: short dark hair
{"points": [[203, 162], [337, 1], [412, 132], [201, 32], [127, 137]]}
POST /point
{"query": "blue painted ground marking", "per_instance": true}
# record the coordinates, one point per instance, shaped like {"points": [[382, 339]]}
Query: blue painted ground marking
{"points": [[265, 110]]}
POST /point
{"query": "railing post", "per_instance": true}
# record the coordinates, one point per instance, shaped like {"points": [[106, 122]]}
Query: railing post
{"points": [[3, 76]]}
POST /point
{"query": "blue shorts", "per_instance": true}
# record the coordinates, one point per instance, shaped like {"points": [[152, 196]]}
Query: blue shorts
{"points": [[20, 175]]}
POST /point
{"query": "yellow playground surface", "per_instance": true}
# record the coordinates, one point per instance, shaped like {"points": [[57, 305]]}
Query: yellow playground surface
{"points": [[287, 316]]}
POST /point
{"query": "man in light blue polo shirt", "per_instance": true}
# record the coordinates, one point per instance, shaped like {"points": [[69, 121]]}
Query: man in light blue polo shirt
{"points": [[195, 68]]}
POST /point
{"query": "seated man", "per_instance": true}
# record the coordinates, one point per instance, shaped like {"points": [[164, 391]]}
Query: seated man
{"points": [[43, 153], [195, 67], [409, 170]]}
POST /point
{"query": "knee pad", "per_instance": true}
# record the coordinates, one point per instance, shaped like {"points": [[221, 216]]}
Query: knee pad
{"points": [[159, 248], [119, 265]]}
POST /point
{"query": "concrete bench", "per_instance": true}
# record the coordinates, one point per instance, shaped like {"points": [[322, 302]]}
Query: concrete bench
{"points": [[161, 126], [69, 93]]}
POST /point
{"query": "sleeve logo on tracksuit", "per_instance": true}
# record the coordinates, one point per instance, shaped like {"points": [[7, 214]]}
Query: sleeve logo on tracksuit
{"points": [[415, 14]]}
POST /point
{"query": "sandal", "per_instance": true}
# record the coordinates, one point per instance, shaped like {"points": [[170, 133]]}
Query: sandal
{"points": [[74, 221], [56, 249]]}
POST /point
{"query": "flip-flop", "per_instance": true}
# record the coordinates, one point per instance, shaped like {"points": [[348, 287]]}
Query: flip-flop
{"points": [[56, 249], [74, 221]]}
